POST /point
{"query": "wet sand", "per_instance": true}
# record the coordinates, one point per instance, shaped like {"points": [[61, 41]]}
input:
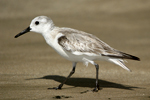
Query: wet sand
{"points": [[29, 68]]}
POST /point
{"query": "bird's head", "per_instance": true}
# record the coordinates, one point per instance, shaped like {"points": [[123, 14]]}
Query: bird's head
{"points": [[39, 24]]}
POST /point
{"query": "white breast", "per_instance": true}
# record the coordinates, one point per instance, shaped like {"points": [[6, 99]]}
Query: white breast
{"points": [[52, 40]]}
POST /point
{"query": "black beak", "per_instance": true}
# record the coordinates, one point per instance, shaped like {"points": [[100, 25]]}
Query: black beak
{"points": [[23, 32]]}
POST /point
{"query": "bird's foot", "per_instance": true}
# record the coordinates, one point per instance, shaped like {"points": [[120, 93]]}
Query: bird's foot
{"points": [[96, 89], [59, 87]]}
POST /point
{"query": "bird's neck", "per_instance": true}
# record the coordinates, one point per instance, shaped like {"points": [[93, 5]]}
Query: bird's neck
{"points": [[50, 36]]}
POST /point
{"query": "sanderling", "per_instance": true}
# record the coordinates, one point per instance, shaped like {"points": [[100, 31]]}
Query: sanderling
{"points": [[76, 46]]}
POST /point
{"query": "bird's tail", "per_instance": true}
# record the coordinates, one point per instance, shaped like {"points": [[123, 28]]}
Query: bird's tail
{"points": [[120, 62], [123, 55], [128, 56]]}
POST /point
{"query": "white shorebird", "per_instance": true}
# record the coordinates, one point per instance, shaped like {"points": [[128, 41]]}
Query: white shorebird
{"points": [[76, 46]]}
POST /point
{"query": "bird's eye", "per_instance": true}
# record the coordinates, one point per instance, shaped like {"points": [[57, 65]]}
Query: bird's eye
{"points": [[37, 23]]}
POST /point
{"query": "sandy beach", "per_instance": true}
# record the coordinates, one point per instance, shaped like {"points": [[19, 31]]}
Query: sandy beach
{"points": [[29, 68]]}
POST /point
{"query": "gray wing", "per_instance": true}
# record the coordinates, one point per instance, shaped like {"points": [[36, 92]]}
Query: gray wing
{"points": [[74, 40]]}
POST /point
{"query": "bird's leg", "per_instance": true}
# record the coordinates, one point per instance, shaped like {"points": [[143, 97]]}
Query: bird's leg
{"points": [[71, 73], [97, 84]]}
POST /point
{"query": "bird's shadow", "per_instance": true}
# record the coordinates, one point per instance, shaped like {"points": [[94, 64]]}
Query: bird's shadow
{"points": [[85, 82]]}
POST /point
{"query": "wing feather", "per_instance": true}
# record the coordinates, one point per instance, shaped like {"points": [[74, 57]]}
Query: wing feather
{"points": [[74, 40], [84, 43]]}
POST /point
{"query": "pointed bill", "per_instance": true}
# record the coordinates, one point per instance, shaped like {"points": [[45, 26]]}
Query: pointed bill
{"points": [[23, 32]]}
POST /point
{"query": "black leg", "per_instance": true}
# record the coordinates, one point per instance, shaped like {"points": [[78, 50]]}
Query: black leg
{"points": [[97, 84], [71, 73]]}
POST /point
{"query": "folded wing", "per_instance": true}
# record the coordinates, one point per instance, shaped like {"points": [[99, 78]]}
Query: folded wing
{"points": [[78, 41]]}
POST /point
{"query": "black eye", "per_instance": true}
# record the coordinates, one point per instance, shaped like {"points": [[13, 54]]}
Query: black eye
{"points": [[37, 23]]}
